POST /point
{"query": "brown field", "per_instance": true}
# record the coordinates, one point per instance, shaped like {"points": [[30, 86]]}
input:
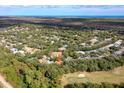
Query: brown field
{"points": [[114, 76]]}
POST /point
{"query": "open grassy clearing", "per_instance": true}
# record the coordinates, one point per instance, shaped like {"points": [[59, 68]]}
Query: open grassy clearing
{"points": [[114, 76]]}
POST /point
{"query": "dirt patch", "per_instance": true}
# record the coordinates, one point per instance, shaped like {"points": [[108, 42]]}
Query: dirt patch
{"points": [[4, 83]]}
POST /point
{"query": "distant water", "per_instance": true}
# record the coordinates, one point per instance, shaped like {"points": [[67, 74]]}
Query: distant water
{"points": [[109, 17], [97, 17], [120, 17]]}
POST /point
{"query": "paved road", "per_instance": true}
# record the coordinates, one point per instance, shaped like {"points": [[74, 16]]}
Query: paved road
{"points": [[4, 83]]}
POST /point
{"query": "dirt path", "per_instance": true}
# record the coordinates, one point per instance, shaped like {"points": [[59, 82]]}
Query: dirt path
{"points": [[4, 83]]}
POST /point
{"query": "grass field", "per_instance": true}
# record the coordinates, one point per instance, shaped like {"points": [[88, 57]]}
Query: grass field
{"points": [[114, 76]]}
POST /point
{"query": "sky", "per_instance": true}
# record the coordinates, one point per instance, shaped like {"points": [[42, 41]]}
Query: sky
{"points": [[61, 10]]}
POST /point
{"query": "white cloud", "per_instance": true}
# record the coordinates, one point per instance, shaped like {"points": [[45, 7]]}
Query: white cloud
{"points": [[61, 2]]}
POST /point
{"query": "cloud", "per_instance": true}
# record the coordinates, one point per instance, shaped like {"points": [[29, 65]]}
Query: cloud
{"points": [[64, 6], [61, 2], [62, 10]]}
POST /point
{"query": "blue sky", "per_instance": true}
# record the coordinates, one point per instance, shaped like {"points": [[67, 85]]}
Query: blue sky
{"points": [[57, 10]]}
